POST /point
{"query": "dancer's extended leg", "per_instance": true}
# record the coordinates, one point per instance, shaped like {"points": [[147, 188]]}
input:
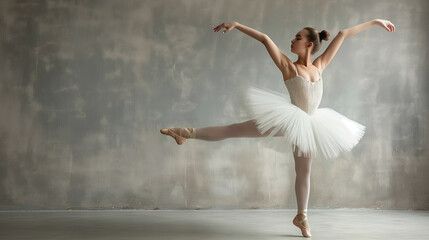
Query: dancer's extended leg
{"points": [[245, 129], [216, 133], [302, 191]]}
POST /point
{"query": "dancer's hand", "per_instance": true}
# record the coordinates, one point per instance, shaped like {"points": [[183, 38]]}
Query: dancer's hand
{"points": [[385, 24], [228, 25]]}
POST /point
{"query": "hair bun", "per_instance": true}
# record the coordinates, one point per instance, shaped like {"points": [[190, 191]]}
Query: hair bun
{"points": [[324, 35]]}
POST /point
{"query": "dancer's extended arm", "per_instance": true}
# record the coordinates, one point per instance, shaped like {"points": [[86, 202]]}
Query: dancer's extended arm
{"points": [[278, 57], [323, 60]]}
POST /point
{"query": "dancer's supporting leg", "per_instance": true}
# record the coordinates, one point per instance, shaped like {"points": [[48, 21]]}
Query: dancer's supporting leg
{"points": [[216, 133], [302, 191]]}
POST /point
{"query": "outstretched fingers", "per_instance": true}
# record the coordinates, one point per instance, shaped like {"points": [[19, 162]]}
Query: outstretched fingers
{"points": [[219, 27], [389, 26], [228, 25]]}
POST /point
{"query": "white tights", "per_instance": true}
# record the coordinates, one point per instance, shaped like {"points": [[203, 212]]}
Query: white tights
{"points": [[248, 129]]}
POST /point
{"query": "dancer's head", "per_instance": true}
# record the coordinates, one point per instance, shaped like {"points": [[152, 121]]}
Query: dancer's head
{"points": [[308, 39]]}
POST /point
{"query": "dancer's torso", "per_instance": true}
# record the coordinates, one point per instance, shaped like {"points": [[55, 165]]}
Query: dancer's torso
{"points": [[305, 94]]}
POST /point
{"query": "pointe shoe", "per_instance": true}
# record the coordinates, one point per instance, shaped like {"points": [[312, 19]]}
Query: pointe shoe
{"points": [[302, 223], [181, 135]]}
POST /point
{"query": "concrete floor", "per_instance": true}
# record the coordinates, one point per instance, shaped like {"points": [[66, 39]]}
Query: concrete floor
{"points": [[212, 224]]}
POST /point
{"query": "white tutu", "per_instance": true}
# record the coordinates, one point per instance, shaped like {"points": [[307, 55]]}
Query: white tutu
{"points": [[323, 134]]}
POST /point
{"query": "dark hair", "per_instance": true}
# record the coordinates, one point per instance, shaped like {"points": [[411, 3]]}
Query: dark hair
{"points": [[316, 38]]}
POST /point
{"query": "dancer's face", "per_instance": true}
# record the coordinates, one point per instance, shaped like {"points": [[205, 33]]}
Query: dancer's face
{"points": [[300, 42]]}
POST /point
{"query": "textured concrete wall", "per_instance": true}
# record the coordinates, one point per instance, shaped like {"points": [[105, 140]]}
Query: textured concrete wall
{"points": [[86, 85]]}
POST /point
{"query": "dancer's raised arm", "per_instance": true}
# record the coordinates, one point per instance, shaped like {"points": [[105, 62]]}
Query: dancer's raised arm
{"points": [[323, 60], [278, 57]]}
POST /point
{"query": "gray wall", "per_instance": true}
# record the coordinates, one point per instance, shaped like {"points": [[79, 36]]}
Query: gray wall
{"points": [[86, 86]]}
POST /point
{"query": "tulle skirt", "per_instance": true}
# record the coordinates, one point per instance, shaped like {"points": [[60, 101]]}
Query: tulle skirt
{"points": [[323, 135]]}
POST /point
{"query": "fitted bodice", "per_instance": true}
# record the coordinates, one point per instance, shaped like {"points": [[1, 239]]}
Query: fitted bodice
{"points": [[305, 94]]}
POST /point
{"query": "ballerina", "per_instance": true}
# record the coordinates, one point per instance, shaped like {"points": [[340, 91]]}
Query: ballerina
{"points": [[306, 130]]}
